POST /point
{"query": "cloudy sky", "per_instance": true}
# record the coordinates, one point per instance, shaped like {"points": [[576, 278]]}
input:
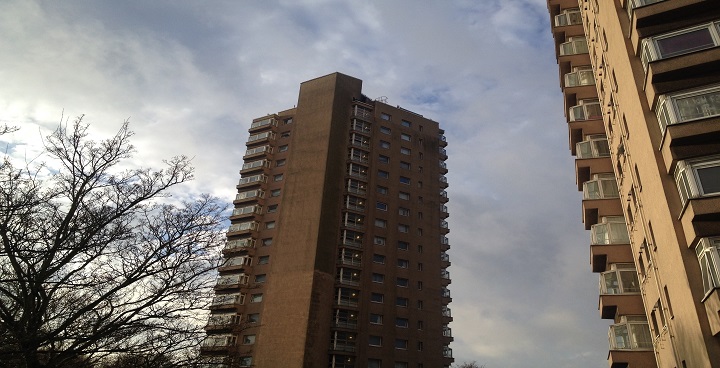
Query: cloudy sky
{"points": [[191, 75]]}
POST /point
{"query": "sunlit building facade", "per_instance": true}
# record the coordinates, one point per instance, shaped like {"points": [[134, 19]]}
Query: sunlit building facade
{"points": [[336, 255], [641, 84]]}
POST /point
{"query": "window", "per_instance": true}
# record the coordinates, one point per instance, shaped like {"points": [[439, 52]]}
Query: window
{"points": [[288, 121], [272, 208], [379, 240], [248, 339], [420, 155], [267, 242], [403, 211], [405, 196], [632, 333], [698, 178], [601, 186], [270, 225], [278, 177], [406, 165], [401, 344], [382, 190], [403, 263], [419, 183], [376, 319], [420, 325], [378, 277], [377, 297], [384, 159], [275, 193], [405, 180], [374, 363], [405, 151], [402, 302], [378, 258], [381, 206], [380, 223], [283, 148], [285, 135], [403, 228], [383, 174], [680, 42], [384, 116], [688, 105], [245, 361], [256, 298], [260, 278], [403, 245], [280, 162], [402, 282], [384, 144], [420, 304], [384, 130], [405, 123], [420, 266], [621, 279], [253, 317], [405, 137], [401, 364], [402, 322], [420, 285], [375, 340], [420, 347]]}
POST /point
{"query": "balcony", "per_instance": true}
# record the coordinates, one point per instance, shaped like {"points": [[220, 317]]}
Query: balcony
{"points": [[443, 153], [258, 151], [630, 342], [252, 180], [350, 258], [222, 321], [362, 113], [227, 301], [443, 181], [249, 195], [592, 158], [443, 140], [443, 196], [698, 183], [584, 119], [254, 166], [348, 276], [218, 342], [574, 51], [568, 17], [443, 167], [346, 297], [679, 42], [260, 137], [354, 203], [610, 243], [444, 260], [444, 243], [447, 332], [444, 227], [445, 293], [358, 171], [231, 281], [600, 199], [356, 187], [580, 82], [262, 124], [359, 156], [360, 127], [620, 292], [352, 220], [243, 227], [446, 312], [239, 244], [589, 109], [444, 211], [359, 140], [447, 352], [235, 263], [352, 239], [346, 319], [246, 211], [445, 275]]}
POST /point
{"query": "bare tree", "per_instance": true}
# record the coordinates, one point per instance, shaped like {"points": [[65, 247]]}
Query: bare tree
{"points": [[98, 262]]}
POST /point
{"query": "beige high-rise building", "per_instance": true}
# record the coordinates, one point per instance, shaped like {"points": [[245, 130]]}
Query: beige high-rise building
{"points": [[336, 252], [641, 81]]}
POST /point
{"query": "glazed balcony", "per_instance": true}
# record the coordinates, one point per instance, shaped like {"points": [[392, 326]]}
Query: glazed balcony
{"points": [[447, 352], [346, 319], [354, 203], [227, 301], [444, 243], [260, 137], [262, 124], [443, 181], [362, 112], [235, 263], [218, 343], [359, 156], [610, 243], [442, 140], [593, 157], [650, 17], [698, 183], [352, 239], [443, 153], [443, 196], [348, 276], [584, 119], [258, 151], [447, 332], [353, 220], [447, 313], [252, 180], [445, 293], [620, 292], [630, 343], [231, 281], [357, 171], [250, 195], [239, 245], [254, 166], [708, 254], [358, 140], [444, 211], [443, 167], [242, 227], [222, 321], [361, 127], [356, 187], [349, 257], [246, 211], [444, 260], [347, 297], [600, 199], [574, 52], [445, 276]]}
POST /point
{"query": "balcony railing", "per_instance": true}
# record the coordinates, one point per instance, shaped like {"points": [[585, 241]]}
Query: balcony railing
{"points": [[576, 45], [445, 274], [568, 17], [612, 230], [261, 137], [445, 292], [228, 299], [446, 312], [595, 146], [602, 186], [690, 105], [680, 42], [255, 165], [447, 352], [708, 254], [586, 110], [240, 243], [261, 178], [444, 257], [698, 178], [215, 341], [251, 194], [233, 280], [247, 210], [360, 126], [633, 4], [263, 123], [444, 224], [224, 319], [622, 279], [361, 112], [243, 226], [447, 331], [580, 77], [632, 333], [258, 150]]}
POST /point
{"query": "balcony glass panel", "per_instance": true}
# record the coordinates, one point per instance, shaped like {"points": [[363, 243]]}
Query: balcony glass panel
{"points": [[253, 179], [229, 280], [708, 253], [630, 334], [612, 230], [348, 276], [698, 178], [222, 319], [354, 203], [219, 341], [688, 106], [238, 261], [359, 155], [359, 140], [586, 110], [353, 220], [247, 210], [447, 352], [568, 17], [243, 226], [345, 318], [680, 42], [362, 112], [240, 243], [352, 238], [622, 279], [262, 123], [350, 257], [261, 149], [228, 299], [580, 77], [360, 126], [255, 164], [593, 147], [357, 187], [357, 171], [576, 45], [347, 297], [250, 194], [602, 186], [261, 136]]}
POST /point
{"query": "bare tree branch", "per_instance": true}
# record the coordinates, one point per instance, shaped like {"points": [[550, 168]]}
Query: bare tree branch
{"points": [[96, 261]]}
